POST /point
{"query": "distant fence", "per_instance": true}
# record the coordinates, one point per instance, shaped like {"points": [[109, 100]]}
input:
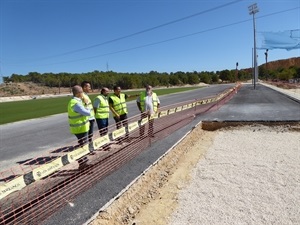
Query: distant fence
{"points": [[31, 192]]}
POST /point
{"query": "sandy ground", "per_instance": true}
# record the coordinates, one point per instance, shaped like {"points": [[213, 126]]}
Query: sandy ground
{"points": [[235, 175], [241, 175], [250, 175]]}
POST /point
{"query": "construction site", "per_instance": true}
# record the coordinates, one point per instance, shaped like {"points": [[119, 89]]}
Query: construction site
{"points": [[226, 158]]}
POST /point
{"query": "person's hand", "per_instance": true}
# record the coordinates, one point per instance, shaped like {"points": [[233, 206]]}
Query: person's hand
{"points": [[85, 100]]}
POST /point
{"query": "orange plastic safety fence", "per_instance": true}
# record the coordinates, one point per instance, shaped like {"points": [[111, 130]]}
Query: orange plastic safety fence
{"points": [[31, 192]]}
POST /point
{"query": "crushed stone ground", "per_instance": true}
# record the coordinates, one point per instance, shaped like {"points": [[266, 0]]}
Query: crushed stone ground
{"points": [[240, 175]]}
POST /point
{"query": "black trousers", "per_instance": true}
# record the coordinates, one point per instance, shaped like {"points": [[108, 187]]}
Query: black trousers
{"points": [[121, 121]]}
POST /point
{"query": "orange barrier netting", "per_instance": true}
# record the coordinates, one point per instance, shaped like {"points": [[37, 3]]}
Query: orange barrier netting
{"points": [[32, 192]]}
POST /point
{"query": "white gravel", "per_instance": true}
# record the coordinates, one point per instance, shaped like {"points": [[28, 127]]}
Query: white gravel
{"points": [[250, 175]]}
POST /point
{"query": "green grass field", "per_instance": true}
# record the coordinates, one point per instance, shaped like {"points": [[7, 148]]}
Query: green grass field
{"points": [[37, 108]]}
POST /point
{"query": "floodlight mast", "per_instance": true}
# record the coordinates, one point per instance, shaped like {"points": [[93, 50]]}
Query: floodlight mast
{"points": [[252, 10]]}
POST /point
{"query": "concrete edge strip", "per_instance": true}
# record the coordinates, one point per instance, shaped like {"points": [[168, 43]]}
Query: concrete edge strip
{"points": [[138, 177]]}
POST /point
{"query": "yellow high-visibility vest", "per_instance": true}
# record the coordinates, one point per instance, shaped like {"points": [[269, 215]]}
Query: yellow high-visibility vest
{"points": [[78, 123], [119, 104], [103, 109]]}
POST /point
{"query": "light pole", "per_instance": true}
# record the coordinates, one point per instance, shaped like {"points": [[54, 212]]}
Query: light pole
{"points": [[252, 10], [266, 54]]}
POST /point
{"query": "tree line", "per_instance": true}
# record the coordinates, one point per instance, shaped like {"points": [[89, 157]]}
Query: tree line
{"points": [[109, 79]]}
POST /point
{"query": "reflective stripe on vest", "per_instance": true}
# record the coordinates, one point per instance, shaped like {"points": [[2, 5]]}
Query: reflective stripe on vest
{"points": [[103, 109], [143, 100], [77, 122], [119, 104]]}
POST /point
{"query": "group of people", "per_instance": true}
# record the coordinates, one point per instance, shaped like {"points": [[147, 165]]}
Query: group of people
{"points": [[83, 113]]}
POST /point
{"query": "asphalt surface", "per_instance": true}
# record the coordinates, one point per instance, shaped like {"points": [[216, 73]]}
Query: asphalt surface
{"points": [[261, 104]]}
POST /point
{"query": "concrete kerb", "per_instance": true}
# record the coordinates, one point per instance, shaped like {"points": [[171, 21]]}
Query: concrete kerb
{"points": [[137, 178]]}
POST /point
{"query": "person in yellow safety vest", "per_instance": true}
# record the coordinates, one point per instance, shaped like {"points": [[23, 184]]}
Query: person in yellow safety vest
{"points": [[86, 87], [101, 109], [79, 116], [117, 104], [148, 104]]}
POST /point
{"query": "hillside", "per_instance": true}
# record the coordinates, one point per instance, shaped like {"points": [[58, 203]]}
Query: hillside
{"points": [[283, 63], [29, 88]]}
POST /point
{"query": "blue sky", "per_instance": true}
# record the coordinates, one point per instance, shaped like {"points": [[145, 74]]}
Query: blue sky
{"points": [[78, 36]]}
